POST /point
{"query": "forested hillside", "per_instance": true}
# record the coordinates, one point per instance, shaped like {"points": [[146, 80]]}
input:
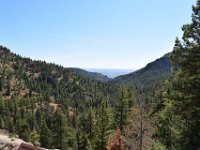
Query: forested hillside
{"points": [[148, 77], [24, 77], [90, 75], [39, 100]]}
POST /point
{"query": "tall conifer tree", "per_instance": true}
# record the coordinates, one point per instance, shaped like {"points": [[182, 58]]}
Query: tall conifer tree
{"points": [[121, 107], [184, 98]]}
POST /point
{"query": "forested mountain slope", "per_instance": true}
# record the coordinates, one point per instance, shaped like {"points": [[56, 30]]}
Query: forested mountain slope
{"points": [[42, 102], [148, 76], [90, 75], [24, 77]]}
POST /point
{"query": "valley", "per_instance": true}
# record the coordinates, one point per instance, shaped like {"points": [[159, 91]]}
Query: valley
{"points": [[48, 93], [57, 100]]}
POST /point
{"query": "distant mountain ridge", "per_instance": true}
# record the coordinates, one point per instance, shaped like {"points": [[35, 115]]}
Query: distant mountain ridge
{"points": [[92, 75]]}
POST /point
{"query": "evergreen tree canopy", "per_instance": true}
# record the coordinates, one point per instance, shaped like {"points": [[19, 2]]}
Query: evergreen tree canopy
{"points": [[182, 103]]}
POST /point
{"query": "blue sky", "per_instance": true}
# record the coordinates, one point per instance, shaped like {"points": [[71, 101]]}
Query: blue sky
{"points": [[123, 34]]}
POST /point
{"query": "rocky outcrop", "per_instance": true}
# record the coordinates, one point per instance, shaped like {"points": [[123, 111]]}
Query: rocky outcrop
{"points": [[10, 142]]}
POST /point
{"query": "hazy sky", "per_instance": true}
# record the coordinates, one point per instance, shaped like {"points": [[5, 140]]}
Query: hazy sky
{"points": [[93, 33]]}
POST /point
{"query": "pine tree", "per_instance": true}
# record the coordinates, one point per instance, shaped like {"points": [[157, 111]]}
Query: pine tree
{"points": [[1, 122], [2, 107], [184, 97], [35, 138], [8, 90], [25, 132], [82, 140], [91, 123], [62, 134], [186, 81], [121, 107], [103, 128], [45, 136], [1, 84], [167, 122]]}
